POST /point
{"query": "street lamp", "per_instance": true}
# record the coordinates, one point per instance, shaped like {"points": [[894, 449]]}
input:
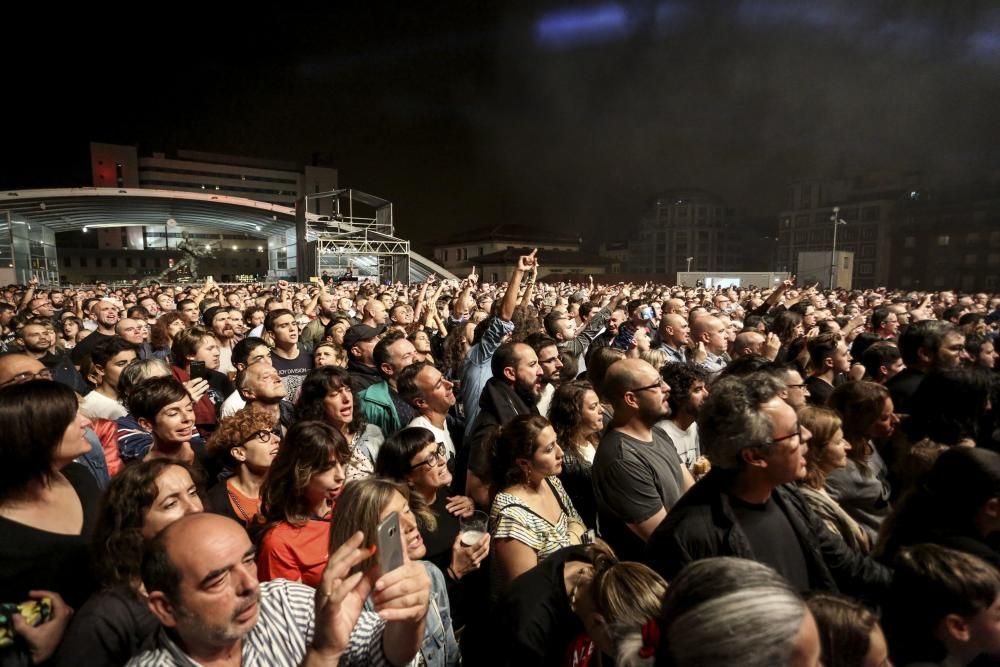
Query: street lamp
{"points": [[689, 260], [835, 219]]}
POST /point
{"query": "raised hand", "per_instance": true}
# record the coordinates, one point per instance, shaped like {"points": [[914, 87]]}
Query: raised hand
{"points": [[340, 597], [525, 262]]}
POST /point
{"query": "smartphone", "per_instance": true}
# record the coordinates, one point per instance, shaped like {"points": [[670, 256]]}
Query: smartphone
{"points": [[198, 369], [390, 544], [35, 612]]}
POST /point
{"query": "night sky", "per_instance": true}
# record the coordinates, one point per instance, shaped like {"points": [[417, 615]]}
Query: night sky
{"points": [[567, 116]]}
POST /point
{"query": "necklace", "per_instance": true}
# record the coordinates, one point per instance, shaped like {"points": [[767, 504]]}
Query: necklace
{"points": [[236, 501]]}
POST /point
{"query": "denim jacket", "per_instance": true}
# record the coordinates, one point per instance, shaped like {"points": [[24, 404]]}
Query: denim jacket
{"points": [[439, 648]]}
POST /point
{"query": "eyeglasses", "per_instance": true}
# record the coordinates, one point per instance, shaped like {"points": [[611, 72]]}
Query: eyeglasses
{"points": [[656, 385], [796, 433], [434, 459], [262, 435], [27, 376], [796, 386]]}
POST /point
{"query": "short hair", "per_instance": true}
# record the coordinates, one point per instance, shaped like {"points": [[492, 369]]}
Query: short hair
{"points": [[250, 312], [974, 343], [746, 365], [159, 573], [506, 356], [34, 416], [393, 462], [859, 405], [107, 348], [821, 348], [681, 377], [406, 383], [273, 315], [152, 395], [138, 371], [845, 628], [879, 354], [925, 334], [732, 420], [599, 360], [138, 313], [242, 349], [929, 583], [538, 341], [233, 431], [550, 322], [381, 354], [186, 344], [183, 302], [879, 316], [359, 508], [310, 447], [712, 615]]}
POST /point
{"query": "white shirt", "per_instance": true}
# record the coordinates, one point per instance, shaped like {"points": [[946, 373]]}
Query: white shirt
{"points": [[233, 404], [98, 406], [685, 442], [440, 435], [545, 400]]}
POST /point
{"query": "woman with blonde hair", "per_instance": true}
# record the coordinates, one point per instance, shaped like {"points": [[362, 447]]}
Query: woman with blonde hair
{"points": [[363, 505], [827, 452]]}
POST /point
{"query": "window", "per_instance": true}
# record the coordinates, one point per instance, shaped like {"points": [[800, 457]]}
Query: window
{"points": [[98, 262], [866, 268], [805, 196], [971, 238], [142, 262], [128, 262], [970, 259], [943, 240], [993, 259], [849, 214], [446, 255], [869, 233], [868, 250], [114, 262], [871, 213], [66, 262], [905, 281], [907, 262], [83, 262], [910, 242], [802, 219], [480, 251], [847, 261]]}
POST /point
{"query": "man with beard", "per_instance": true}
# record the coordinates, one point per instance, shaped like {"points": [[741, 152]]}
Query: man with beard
{"points": [[217, 319], [202, 586], [513, 390], [36, 339], [359, 342], [688, 390], [105, 313], [925, 346], [262, 389], [548, 352], [610, 328], [637, 473], [747, 506], [322, 304]]}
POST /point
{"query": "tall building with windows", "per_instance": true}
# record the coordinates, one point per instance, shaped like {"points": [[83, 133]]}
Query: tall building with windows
{"points": [[695, 224], [869, 203]]}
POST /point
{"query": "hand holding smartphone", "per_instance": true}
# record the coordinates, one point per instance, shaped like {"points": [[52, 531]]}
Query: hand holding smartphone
{"points": [[198, 370], [390, 544]]}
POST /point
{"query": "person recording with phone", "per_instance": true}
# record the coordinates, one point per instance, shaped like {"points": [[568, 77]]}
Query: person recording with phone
{"points": [[195, 353], [381, 507]]}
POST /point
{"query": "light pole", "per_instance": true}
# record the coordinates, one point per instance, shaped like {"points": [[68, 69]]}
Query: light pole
{"points": [[835, 219], [689, 260]]}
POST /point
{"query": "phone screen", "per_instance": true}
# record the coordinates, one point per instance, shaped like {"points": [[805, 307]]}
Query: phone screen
{"points": [[198, 369], [390, 544]]}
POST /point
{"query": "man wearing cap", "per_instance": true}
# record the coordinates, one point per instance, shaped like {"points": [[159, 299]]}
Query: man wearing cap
{"points": [[360, 341], [217, 319]]}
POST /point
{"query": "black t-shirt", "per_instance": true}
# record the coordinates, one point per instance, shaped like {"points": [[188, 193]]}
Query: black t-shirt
{"points": [[292, 371], [633, 480], [535, 624], [112, 627], [773, 540], [34, 559], [440, 540]]}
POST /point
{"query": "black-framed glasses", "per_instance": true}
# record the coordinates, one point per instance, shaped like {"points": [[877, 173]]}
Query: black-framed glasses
{"points": [[656, 385], [796, 433], [263, 435], [434, 459], [27, 376], [796, 386]]}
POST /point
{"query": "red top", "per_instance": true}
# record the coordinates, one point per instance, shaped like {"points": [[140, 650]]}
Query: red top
{"points": [[297, 554]]}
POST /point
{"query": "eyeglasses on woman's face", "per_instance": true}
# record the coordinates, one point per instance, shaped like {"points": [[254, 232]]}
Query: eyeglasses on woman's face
{"points": [[434, 459]]}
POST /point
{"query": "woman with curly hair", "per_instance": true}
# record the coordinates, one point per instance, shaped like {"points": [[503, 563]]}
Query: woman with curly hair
{"points": [[162, 333], [456, 345], [578, 420], [116, 623], [326, 396], [245, 445], [305, 480]]}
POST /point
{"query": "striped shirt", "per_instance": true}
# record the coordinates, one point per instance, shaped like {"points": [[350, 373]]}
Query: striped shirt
{"points": [[282, 634], [511, 518]]}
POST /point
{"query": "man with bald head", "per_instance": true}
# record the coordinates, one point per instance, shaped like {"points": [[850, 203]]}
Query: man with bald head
{"points": [[709, 334], [748, 342], [675, 335], [136, 331], [637, 473], [201, 581]]}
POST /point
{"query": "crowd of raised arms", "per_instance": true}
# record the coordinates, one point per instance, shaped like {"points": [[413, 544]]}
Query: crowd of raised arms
{"points": [[521, 473]]}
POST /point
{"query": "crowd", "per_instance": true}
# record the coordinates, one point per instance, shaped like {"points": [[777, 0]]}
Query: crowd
{"points": [[582, 474]]}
